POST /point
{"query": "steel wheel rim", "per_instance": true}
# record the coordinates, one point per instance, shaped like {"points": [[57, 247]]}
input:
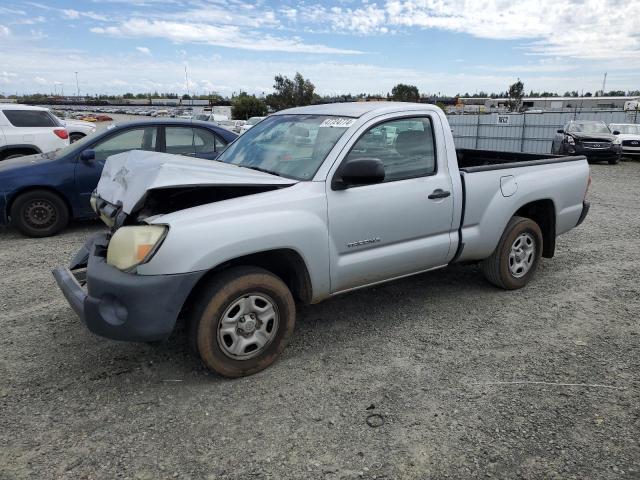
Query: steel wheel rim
{"points": [[40, 214], [522, 255], [248, 326]]}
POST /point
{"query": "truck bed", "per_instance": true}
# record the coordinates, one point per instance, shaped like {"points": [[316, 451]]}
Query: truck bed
{"points": [[481, 160]]}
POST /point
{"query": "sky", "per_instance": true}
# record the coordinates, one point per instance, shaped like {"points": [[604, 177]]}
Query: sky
{"points": [[342, 46]]}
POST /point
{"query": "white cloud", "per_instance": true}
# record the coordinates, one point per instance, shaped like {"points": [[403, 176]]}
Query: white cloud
{"points": [[230, 36], [72, 14], [4, 31], [146, 74], [592, 29], [40, 80], [7, 78], [144, 50]]}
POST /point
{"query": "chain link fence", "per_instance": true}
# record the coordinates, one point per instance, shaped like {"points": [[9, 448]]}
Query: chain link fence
{"points": [[524, 132]]}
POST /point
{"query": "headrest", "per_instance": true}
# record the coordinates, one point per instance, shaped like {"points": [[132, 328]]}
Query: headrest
{"points": [[411, 142]]}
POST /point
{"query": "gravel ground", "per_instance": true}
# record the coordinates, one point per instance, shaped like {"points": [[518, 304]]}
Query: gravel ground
{"points": [[471, 381]]}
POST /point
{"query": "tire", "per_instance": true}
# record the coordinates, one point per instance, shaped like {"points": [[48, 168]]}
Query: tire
{"points": [[502, 268], [74, 137], [237, 295], [39, 213], [615, 161]]}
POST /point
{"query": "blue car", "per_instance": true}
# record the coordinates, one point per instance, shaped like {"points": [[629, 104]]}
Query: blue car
{"points": [[40, 193]]}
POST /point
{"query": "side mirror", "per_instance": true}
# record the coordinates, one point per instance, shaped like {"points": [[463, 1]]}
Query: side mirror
{"points": [[616, 132], [560, 131], [88, 155], [358, 171]]}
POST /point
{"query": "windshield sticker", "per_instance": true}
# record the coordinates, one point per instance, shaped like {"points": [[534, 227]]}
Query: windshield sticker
{"points": [[337, 122]]}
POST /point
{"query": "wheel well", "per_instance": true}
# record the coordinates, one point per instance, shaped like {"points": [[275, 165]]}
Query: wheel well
{"points": [[544, 214], [12, 150], [285, 263], [15, 196]]}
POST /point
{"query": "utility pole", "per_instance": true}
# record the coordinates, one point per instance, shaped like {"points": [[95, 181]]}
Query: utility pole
{"points": [[604, 82], [77, 85], [186, 79]]}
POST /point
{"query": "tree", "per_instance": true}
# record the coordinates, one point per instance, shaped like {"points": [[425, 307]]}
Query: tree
{"points": [[290, 93], [245, 106], [405, 93], [515, 94]]}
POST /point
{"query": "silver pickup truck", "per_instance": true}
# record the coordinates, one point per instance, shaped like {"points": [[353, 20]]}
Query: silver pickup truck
{"points": [[310, 203]]}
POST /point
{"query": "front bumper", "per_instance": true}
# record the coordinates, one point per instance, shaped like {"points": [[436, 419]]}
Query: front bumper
{"points": [[612, 153], [120, 305]]}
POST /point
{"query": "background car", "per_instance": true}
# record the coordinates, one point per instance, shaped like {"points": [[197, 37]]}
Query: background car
{"points": [[232, 125], [39, 194], [590, 138], [78, 129], [629, 137], [250, 123], [27, 130]]}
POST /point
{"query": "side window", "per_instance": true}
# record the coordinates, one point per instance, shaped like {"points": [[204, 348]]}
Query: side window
{"points": [[30, 118], [406, 148], [180, 140], [134, 139], [206, 141]]}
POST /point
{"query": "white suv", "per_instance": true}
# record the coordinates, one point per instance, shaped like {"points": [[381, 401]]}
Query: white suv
{"points": [[25, 130]]}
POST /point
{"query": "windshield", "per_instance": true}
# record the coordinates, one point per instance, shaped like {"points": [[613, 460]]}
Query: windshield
{"points": [[589, 127], [292, 146], [626, 128]]}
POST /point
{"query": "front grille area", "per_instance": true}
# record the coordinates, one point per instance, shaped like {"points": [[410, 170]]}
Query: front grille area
{"points": [[597, 145], [631, 143]]}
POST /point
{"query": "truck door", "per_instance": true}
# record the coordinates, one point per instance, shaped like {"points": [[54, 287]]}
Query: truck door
{"points": [[402, 225]]}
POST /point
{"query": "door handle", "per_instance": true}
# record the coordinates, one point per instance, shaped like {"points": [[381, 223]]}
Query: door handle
{"points": [[439, 193]]}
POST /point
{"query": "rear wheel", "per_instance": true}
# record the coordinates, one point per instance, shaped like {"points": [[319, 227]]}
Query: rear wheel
{"points": [[515, 260], [39, 213], [241, 321]]}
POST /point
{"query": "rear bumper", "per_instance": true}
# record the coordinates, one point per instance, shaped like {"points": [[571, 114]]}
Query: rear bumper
{"points": [[585, 210], [120, 305]]}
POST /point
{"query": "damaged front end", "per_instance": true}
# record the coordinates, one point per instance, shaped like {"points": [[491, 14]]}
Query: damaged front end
{"points": [[136, 186], [162, 201]]}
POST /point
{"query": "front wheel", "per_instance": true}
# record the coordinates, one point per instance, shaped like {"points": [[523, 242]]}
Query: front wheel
{"points": [[241, 321], [39, 213], [515, 260]]}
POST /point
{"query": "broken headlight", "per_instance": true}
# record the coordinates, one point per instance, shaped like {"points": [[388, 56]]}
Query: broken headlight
{"points": [[131, 246]]}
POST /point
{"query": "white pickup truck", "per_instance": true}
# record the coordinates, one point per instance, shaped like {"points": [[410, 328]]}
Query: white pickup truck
{"points": [[310, 203]]}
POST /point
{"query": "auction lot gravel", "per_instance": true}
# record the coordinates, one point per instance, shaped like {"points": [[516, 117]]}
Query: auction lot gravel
{"points": [[469, 381]]}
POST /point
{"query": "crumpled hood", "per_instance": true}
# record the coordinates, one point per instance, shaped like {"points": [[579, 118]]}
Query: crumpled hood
{"points": [[128, 176]]}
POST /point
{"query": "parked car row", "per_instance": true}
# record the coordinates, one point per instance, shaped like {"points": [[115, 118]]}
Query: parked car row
{"points": [[597, 141]]}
